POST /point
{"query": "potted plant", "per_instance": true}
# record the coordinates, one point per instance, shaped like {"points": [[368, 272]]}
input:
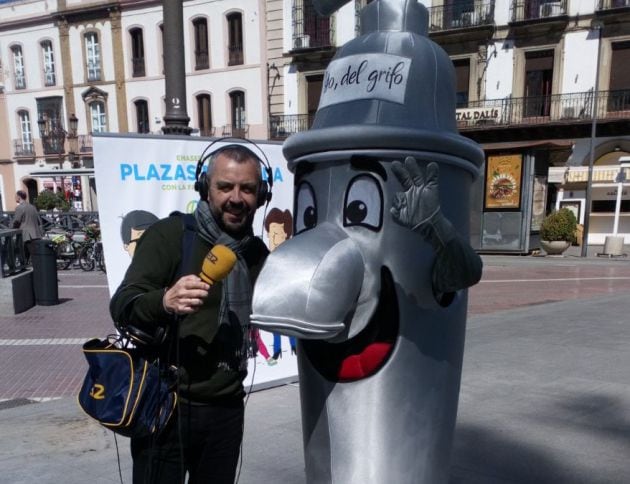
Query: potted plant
{"points": [[557, 231]]}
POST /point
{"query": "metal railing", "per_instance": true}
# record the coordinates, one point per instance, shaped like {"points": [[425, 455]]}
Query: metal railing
{"points": [[235, 55], [558, 108], [202, 60], [23, 148], [12, 256], [610, 4], [282, 126], [72, 221], [236, 131], [460, 16], [309, 29], [85, 143], [138, 67], [537, 9], [20, 82]]}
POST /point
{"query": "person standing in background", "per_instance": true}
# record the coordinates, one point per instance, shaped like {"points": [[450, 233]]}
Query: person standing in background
{"points": [[27, 219]]}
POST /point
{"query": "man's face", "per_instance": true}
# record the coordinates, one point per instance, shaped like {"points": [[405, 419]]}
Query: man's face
{"points": [[233, 193], [277, 235]]}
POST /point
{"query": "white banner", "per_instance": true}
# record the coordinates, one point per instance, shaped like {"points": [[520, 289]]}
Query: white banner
{"points": [[141, 178]]}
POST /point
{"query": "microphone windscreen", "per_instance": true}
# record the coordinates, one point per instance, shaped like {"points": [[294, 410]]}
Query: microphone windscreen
{"points": [[217, 264]]}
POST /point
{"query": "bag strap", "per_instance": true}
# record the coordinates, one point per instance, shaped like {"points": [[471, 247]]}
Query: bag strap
{"points": [[189, 225]]}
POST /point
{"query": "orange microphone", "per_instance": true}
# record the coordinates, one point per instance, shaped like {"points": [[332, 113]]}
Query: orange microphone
{"points": [[217, 264]]}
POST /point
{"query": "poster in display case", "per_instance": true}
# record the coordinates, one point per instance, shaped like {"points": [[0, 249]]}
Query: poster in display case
{"points": [[503, 182]]}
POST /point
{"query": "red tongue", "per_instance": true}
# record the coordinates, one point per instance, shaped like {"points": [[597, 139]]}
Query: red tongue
{"points": [[355, 367]]}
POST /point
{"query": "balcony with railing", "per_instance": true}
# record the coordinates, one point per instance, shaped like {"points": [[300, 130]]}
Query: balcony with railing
{"points": [[309, 29], [612, 4], [202, 60], [49, 77], [536, 110], [93, 71], [85, 143], [241, 131], [282, 126], [23, 148], [461, 16], [235, 55], [138, 67], [525, 10], [20, 81]]}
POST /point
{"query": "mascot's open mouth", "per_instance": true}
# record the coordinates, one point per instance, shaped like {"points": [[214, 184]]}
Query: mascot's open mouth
{"points": [[364, 354]]}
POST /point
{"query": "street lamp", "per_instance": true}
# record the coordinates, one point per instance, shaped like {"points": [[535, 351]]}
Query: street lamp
{"points": [[73, 123], [53, 136], [589, 189]]}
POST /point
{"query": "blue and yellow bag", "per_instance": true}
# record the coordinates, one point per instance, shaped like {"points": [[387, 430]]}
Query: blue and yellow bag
{"points": [[124, 391]]}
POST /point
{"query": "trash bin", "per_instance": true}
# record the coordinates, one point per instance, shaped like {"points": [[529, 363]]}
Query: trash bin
{"points": [[44, 259]]}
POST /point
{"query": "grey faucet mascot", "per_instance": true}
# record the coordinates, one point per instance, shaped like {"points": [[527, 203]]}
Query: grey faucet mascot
{"points": [[374, 281]]}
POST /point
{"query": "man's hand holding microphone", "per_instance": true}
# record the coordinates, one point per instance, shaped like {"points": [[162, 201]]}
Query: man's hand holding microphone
{"points": [[188, 293]]}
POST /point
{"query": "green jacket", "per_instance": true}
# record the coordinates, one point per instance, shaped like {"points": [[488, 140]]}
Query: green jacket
{"points": [[206, 355]]}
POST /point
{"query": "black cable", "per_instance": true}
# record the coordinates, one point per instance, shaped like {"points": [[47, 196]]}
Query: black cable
{"points": [[118, 458], [249, 392]]}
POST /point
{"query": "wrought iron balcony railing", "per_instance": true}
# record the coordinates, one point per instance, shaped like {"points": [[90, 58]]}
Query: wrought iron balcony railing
{"points": [[309, 29], [611, 4], [557, 108], [138, 67], [85, 143], [282, 126], [241, 131], [23, 148], [461, 15], [20, 82], [537, 9], [49, 77], [201, 60], [93, 71], [235, 55]]}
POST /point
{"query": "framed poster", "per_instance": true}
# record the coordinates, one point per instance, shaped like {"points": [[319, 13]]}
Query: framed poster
{"points": [[503, 182], [539, 202]]}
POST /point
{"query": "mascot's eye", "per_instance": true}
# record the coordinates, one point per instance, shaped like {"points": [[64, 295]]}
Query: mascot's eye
{"points": [[305, 208], [364, 203]]}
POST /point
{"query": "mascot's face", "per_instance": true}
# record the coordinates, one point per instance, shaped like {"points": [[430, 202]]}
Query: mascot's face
{"points": [[335, 283]]}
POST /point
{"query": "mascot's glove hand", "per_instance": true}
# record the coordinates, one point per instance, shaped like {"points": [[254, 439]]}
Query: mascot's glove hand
{"points": [[418, 207]]}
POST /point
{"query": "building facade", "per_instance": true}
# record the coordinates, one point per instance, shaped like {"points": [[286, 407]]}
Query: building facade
{"points": [[542, 85], [539, 82], [72, 68]]}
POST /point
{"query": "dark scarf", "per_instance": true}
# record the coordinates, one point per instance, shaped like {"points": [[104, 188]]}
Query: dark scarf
{"points": [[236, 298]]}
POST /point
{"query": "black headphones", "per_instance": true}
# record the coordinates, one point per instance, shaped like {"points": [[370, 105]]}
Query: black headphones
{"points": [[143, 338], [201, 180]]}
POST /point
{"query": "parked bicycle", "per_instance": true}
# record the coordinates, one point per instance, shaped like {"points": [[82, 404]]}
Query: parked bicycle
{"points": [[66, 249], [91, 254]]}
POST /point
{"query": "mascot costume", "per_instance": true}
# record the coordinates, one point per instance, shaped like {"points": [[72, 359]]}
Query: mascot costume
{"points": [[374, 281]]}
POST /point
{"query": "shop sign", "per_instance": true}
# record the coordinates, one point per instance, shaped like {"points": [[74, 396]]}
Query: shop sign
{"points": [[476, 115]]}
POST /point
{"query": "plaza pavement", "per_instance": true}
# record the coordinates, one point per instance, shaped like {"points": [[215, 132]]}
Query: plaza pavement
{"points": [[545, 394]]}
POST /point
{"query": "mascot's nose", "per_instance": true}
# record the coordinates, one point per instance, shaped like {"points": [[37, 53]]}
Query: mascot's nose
{"points": [[309, 284]]}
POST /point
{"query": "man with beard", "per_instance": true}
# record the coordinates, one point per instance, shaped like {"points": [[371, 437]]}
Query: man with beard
{"points": [[210, 323]]}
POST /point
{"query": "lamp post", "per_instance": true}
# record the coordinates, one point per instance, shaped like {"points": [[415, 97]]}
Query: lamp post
{"points": [[175, 118], [73, 124], [591, 160]]}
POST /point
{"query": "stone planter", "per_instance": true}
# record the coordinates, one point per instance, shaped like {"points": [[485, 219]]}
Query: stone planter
{"points": [[554, 247]]}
